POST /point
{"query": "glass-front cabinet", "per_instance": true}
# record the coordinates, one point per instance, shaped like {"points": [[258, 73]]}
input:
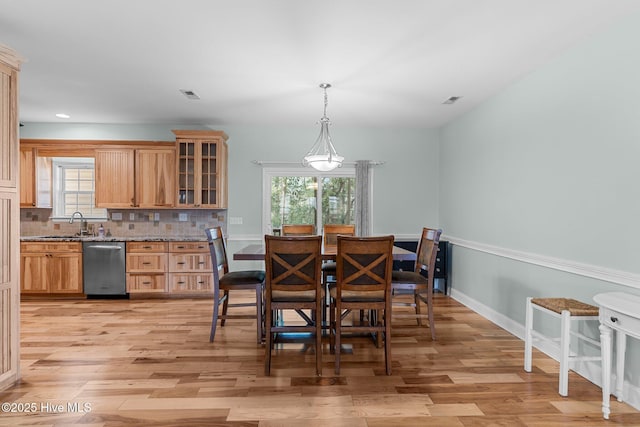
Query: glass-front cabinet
{"points": [[202, 168]]}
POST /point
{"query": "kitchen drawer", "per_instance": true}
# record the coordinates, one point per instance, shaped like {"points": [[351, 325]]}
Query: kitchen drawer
{"points": [[188, 247], [191, 283], [144, 247], [616, 320], [190, 263], [146, 263], [39, 247], [146, 283]]}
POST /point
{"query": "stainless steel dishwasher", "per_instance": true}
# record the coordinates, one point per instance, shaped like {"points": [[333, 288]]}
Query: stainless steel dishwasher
{"points": [[104, 269]]}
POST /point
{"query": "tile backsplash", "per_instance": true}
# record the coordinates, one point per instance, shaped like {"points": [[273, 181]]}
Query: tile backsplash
{"points": [[127, 223]]}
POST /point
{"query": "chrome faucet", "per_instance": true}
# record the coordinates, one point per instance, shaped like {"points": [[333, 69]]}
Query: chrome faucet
{"points": [[83, 223]]}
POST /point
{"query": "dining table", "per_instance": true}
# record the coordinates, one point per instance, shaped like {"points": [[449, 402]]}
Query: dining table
{"points": [[256, 252]]}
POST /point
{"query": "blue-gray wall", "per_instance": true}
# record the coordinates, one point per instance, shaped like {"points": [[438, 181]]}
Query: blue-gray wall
{"points": [[546, 174]]}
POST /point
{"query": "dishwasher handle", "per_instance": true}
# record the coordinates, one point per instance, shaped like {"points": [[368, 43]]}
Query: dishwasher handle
{"points": [[108, 247]]}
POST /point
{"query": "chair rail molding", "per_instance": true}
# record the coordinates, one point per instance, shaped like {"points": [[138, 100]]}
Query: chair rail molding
{"points": [[588, 270]]}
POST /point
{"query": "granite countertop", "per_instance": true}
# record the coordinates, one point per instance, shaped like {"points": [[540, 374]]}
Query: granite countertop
{"points": [[53, 238]]}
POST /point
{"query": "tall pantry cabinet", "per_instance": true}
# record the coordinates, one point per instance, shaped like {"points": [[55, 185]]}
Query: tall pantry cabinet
{"points": [[9, 219]]}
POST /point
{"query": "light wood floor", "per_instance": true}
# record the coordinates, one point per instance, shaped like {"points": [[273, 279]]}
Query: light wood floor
{"points": [[149, 362]]}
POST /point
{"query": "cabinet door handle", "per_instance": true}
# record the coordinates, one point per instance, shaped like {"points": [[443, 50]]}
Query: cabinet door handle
{"points": [[146, 283], [146, 263], [146, 247], [180, 247], [201, 282], [614, 319], [201, 263], [181, 263], [181, 283]]}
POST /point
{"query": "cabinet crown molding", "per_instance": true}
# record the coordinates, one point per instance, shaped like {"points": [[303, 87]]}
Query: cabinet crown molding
{"points": [[200, 134], [10, 57]]}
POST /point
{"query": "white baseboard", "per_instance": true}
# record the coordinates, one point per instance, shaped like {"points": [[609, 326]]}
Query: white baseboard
{"points": [[592, 371]]}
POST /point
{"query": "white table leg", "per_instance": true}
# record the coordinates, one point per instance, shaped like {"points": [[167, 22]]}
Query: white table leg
{"points": [[621, 348], [605, 348], [528, 339], [565, 338]]}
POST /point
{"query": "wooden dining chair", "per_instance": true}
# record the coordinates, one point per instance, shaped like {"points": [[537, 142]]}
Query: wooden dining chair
{"points": [[420, 281], [293, 282], [363, 282], [225, 281], [330, 235], [298, 229]]}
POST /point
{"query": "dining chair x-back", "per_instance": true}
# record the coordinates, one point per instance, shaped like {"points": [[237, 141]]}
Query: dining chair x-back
{"points": [[293, 282], [330, 239], [363, 283], [298, 229]]}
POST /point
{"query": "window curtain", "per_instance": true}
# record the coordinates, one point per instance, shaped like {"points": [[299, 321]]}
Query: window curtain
{"points": [[363, 198]]}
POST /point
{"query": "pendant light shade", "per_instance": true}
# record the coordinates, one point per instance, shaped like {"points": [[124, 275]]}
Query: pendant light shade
{"points": [[323, 155]]}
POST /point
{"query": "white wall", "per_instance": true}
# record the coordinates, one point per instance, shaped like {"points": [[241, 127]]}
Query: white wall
{"points": [[547, 172]]}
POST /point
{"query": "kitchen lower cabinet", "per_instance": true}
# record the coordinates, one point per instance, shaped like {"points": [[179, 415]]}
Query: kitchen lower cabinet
{"points": [[190, 269], [51, 268], [146, 266]]}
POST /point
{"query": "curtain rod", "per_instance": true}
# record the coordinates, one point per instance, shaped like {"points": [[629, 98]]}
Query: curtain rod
{"points": [[276, 163]]}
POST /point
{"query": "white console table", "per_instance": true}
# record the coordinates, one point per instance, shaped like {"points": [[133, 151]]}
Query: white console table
{"points": [[619, 311]]}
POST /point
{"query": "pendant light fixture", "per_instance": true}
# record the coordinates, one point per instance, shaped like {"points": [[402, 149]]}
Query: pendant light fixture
{"points": [[323, 156]]}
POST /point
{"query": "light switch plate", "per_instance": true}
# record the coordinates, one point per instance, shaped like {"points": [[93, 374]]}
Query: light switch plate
{"points": [[183, 217], [116, 216], [132, 216], [156, 216], [235, 220]]}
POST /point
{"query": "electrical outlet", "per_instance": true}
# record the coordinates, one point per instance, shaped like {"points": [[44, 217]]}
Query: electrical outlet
{"points": [[156, 216], [116, 216], [132, 216], [183, 217]]}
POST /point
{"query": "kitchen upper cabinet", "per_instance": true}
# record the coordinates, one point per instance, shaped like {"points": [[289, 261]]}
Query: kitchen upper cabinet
{"points": [[114, 178], [51, 268], [28, 177], [140, 178], [35, 179], [202, 168], [155, 178]]}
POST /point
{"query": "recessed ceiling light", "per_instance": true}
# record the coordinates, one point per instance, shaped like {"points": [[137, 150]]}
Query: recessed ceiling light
{"points": [[189, 94], [63, 116]]}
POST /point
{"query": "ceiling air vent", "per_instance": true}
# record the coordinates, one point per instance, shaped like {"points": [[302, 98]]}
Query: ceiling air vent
{"points": [[189, 94], [451, 99]]}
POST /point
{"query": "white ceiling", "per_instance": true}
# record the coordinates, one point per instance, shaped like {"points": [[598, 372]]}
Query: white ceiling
{"points": [[391, 62]]}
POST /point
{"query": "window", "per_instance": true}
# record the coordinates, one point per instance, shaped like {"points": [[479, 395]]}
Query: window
{"points": [[303, 196], [74, 188]]}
